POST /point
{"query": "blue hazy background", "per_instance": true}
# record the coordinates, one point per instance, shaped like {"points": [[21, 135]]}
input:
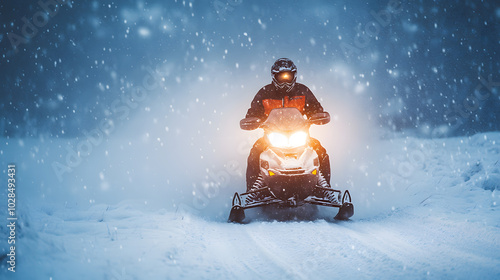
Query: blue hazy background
{"points": [[418, 66]]}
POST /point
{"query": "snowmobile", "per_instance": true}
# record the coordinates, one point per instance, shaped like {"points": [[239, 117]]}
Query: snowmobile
{"points": [[289, 167]]}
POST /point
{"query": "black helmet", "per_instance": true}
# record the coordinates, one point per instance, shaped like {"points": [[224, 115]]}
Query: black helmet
{"points": [[284, 74]]}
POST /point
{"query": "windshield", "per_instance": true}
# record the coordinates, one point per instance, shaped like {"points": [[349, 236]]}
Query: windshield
{"points": [[285, 119]]}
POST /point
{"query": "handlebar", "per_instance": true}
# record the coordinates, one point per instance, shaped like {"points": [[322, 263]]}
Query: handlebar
{"points": [[253, 123], [250, 123]]}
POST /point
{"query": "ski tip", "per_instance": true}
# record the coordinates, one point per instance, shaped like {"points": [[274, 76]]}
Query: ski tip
{"points": [[345, 212]]}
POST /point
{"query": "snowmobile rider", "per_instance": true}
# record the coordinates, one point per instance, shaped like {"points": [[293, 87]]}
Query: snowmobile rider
{"points": [[283, 92]]}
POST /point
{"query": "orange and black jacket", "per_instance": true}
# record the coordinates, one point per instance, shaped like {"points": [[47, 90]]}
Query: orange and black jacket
{"points": [[269, 97]]}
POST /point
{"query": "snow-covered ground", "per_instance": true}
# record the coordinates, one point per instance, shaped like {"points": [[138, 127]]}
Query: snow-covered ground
{"points": [[424, 209]]}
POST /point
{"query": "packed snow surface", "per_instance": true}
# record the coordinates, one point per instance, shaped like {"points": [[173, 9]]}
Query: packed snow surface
{"points": [[424, 209]]}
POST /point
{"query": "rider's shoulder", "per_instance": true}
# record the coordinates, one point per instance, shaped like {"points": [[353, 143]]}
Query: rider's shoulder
{"points": [[301, 86], [266, 89]]}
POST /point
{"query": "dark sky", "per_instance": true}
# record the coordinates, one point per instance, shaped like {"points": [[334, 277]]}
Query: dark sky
{"points": [[425, 66]]}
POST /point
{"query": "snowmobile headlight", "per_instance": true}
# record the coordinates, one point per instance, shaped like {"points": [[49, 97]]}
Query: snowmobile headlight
{"points": [[297, 139], [280, 140]]}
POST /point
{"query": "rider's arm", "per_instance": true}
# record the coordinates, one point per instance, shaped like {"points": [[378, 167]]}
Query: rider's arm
{"points": [[312, 104], [256, 107]]}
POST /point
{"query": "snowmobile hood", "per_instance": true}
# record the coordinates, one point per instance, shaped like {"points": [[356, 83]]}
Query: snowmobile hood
{"points": [[285, 119]]}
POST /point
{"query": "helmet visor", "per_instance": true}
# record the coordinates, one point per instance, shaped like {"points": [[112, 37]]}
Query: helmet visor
{"points": [[285, 77]]}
